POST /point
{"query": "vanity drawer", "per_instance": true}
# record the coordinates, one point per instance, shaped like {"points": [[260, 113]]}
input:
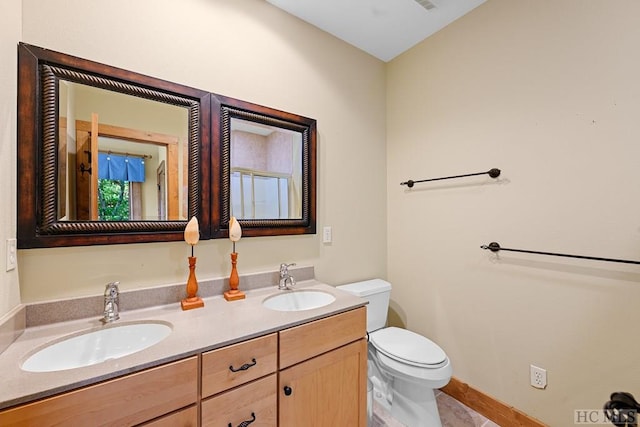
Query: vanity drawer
{"points": [[257, 399], [311, 339], [237, 364], [187, 417], [128, 400]]}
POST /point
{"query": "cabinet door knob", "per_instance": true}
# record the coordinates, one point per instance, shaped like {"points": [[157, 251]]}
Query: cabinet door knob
{"points": [[287, 390]]}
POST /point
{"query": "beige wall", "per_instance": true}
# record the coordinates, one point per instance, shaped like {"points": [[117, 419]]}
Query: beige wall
{"points": [[10, 19], [549, 92], [214, 45]]}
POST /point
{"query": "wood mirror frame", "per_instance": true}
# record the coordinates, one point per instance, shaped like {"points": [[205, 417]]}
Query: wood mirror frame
{"points": [[39, 71], [223, 110]]}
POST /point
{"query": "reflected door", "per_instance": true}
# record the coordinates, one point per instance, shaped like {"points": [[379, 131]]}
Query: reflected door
{"points": [[86, 197], [161, 176]]}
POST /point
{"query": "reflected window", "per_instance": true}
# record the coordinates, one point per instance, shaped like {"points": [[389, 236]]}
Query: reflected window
{"points": [[114, 203], [259, 196], [266, 171]]}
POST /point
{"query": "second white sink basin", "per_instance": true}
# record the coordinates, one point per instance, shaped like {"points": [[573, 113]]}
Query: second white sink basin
{"points": [[96, 346], [298, 300]]}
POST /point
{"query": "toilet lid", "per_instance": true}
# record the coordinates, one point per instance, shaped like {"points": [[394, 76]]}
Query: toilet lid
{"points": [[408, 347]]}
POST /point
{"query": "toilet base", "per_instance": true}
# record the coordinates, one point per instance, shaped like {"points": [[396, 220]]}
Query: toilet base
{"points": [[411, 404], [414, 405]]}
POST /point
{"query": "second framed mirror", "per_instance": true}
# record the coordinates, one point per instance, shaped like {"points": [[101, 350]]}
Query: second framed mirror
{"points": [[264, 169]]}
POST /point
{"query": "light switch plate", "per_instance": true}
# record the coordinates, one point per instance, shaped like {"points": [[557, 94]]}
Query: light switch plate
{"points": [[11, 254], [326, 234]]}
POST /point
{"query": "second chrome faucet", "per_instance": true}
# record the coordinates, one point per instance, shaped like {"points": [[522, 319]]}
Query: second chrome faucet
{"points": [[286, 280], [111, 302]]}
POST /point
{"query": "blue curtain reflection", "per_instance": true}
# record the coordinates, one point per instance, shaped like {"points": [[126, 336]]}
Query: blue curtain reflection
{"points": [[121, 168]]}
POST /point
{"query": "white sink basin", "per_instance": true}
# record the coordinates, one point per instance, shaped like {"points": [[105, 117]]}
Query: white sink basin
{"points": [[298, 300], [96, 346]]}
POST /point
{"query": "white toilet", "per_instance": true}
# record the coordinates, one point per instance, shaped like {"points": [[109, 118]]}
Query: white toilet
{"points": [[403, 366]]}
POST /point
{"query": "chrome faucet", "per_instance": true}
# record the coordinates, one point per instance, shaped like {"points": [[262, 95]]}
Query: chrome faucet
{"points": [[286, 280], [111, 302]]}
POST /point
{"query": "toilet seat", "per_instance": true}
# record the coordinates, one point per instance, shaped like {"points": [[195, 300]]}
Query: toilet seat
{"points": [[408, 348]]}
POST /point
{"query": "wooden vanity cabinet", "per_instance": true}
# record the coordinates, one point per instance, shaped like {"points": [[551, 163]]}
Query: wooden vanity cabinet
{"points": [[323, 372], [313, 374], [321, 378], [129, 400]]}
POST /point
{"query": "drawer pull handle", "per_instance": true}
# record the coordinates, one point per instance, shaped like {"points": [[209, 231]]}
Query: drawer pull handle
{"points": [[246, 423], [243, 367], [287, 390]]}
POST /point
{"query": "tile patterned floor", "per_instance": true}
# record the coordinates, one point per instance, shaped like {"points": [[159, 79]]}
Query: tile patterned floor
{"points": [[452, 414]]}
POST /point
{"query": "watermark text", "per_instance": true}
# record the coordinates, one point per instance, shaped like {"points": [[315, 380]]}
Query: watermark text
{"points": [[602, 417]]}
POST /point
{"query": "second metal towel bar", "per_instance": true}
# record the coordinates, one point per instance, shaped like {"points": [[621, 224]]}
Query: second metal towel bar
{"points": [[495, 247], [493, 173]]}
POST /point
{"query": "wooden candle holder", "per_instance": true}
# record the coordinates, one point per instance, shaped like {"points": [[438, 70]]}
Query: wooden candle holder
{"points": [[233, 293], [192, 300]]}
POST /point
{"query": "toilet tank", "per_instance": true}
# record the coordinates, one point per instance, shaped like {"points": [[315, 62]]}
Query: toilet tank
{"points": [[377, 292]]}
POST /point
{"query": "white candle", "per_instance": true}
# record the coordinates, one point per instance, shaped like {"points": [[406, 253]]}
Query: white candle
{"points": [[192, 233], [235, 231]]}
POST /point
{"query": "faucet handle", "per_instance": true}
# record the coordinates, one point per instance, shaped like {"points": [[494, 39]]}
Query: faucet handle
{"points": [[284, 268], [111, 289]]}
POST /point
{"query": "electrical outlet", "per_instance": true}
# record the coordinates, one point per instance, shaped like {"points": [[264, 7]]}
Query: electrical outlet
{"points": [[326, 234], [538, 377], [11, 254]]}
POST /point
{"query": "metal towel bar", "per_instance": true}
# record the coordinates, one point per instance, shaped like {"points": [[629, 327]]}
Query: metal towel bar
{"points": [[493, 173], [495, 247]]}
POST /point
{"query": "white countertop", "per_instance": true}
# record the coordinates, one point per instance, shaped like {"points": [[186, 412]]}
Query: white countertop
{"points": [[217, 324]]}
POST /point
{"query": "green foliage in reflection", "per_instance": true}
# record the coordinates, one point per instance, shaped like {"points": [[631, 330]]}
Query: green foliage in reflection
{"points": [[113, 200]]}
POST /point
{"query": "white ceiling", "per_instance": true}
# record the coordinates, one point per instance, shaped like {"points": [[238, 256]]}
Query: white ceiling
{"points": [[383, 28]]}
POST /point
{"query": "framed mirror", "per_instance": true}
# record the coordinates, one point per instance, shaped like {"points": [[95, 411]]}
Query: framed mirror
{"points": [[265, 169], [107, 155]]}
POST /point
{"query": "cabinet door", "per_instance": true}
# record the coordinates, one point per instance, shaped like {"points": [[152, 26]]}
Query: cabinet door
{"points": [[128, 400], [326, 391]]}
